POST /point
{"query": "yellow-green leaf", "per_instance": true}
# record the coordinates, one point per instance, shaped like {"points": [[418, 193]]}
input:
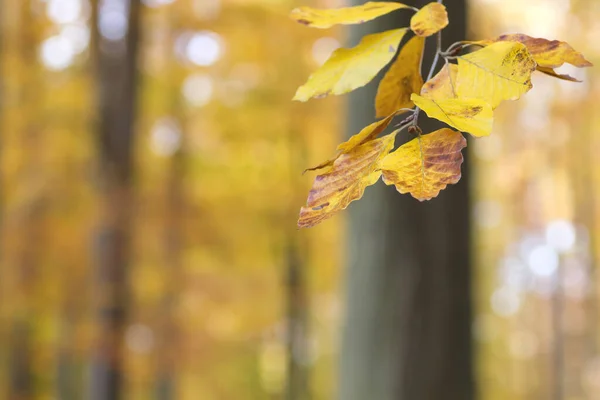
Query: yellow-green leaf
{"points": [[318, 18], [367, 134], [349, 69], [500, 71], [547, 53], [425, 165], [442, 85], [345, 181], [429, 19], [474, 116], [401, 80]]}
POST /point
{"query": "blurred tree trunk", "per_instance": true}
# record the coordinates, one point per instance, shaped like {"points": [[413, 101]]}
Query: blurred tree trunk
{"points": [[116, 73], [407, 334]]}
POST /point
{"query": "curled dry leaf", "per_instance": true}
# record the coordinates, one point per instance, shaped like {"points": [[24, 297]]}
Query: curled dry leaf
{"points": [[345, 181], [401, 80], [317, 18], [551, 72], [368, 133], [429, 20], [425, 165], [474, 116], [349, 69], [500, 71], [442, 85]]}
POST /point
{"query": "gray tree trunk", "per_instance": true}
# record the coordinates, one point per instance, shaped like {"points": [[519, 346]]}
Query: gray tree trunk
{"points": [[407, 331], [116, 73]]}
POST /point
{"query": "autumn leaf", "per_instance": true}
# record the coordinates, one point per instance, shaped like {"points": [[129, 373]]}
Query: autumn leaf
{"points": [[500, 71], [317, 18], [551, 72], [429, 20], [474, 116], [345, 181], [349, 69], [368, 133], [425, 165], [401, 80], [442, 85], [546, 53]]}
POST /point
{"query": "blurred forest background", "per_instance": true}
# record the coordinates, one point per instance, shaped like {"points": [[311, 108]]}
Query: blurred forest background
{"points": [[150, 180]]}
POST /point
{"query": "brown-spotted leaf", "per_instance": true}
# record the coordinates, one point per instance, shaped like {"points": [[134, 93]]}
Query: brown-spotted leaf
{"points": [[546, 53], [442, 85], [368, 133], [474, 116], [500, 71], [429, 20], [425, 165], [319, 18], [345, 181], [401, 80]]}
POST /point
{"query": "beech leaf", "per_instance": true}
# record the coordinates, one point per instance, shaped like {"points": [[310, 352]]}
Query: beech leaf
{"points": [[345, 181], [319, 18], [401, 80], [425, 165], [349, 69], [474, 116], [442, 85], [500, 71], [551, 72], [546, 53], [429, 20], [368, 133]]}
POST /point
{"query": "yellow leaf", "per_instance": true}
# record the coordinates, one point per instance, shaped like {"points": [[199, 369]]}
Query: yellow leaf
{"points": [[551, 72], [316, 18], [501, 71], [474, 116], [442, 85], [426, 164], [401, 80], [547, 53], [349, 69], [345, 182], [368, 133], [429, 19]]}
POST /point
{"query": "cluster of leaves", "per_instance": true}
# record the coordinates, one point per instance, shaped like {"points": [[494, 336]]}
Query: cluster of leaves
{"points": [[463, 94]]}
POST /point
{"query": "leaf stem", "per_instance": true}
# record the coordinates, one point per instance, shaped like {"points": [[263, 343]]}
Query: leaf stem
{"points": [[436, 58]]}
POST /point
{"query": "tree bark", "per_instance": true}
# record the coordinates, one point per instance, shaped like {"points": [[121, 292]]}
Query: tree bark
{"points": [[116, 73], [407, 331]]}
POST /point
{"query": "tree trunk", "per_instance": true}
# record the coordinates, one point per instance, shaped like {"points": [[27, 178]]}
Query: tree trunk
{"points": [[407, 332], [116, 74]]}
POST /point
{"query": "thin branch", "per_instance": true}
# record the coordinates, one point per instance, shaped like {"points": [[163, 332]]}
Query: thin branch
{"points": [[434, 63]]}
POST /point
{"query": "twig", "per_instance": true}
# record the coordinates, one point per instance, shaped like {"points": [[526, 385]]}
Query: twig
{"points": [[436, 58]]}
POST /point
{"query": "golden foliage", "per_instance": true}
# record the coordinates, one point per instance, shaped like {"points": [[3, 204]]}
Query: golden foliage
{"points": [[316, 18], [462, 95], [470, 115], [426, 164], [429, 19], [401, 80], [345, 181], [442, 85], [546, 53], [501, 71], [368, 133], [349, 69]]}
